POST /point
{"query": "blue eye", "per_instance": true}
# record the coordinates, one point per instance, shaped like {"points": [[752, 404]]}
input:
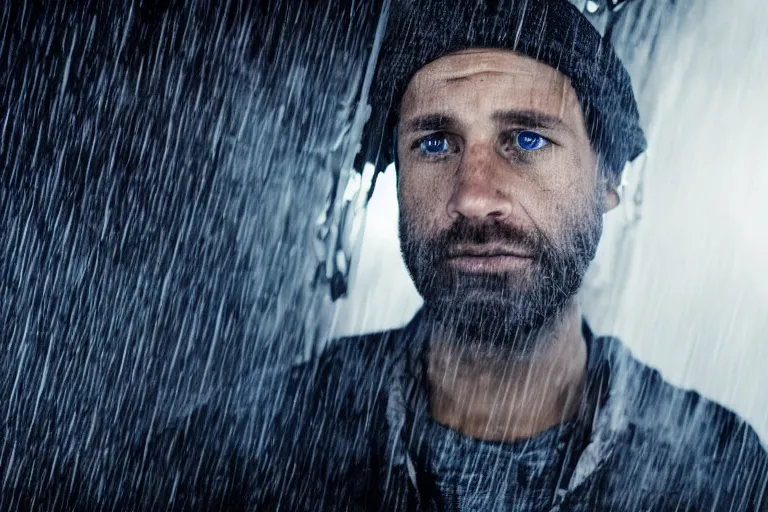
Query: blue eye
{"points": [[433, 145], [530, 141]]}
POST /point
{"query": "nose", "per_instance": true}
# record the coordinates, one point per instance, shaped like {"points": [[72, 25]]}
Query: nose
{"points": [[477, 192]]}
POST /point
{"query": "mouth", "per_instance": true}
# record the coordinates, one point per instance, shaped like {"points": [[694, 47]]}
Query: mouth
{"points": [[485, 259]]}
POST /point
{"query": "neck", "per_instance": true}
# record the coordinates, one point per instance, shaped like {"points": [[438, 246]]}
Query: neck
{"points": [[502, 394]]}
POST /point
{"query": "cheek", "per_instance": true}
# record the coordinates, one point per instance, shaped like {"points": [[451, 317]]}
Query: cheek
{"points": [[422, 202], [559, 194], [566, 182]]}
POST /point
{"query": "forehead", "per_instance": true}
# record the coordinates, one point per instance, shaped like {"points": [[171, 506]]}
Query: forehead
{"points": [[490, 78]]}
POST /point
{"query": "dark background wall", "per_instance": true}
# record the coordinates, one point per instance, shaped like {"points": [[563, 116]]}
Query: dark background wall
{"points": [[162, 168]]}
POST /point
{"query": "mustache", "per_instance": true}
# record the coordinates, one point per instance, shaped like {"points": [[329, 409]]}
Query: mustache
{"points": [[465, 232]]}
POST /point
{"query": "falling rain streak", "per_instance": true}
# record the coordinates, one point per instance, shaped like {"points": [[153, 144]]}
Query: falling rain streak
{"points": [[182, 199]]}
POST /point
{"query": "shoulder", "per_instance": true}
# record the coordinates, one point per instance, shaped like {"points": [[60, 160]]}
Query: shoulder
{"points": [[360, 358], [344, 362], [253, 445], [683, 444]]}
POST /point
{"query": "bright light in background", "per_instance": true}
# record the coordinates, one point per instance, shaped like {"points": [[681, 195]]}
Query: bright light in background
{"points": [[381, 293], [693, 299]]}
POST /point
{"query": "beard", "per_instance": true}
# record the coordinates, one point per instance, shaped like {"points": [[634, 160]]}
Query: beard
{"points": [[501, 308]]}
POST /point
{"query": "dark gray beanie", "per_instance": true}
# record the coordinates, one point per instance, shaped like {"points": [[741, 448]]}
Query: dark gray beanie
{"points": [[551, 31]]}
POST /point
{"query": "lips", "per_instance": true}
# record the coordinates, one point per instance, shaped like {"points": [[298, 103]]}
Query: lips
{"points": [[487, 259], [486, 251]]}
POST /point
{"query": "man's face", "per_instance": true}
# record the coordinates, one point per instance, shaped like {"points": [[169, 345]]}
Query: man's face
{"points": [[500, 196]]}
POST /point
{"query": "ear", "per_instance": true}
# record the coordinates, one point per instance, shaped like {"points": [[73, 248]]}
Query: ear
{"points": [[611, 199]]}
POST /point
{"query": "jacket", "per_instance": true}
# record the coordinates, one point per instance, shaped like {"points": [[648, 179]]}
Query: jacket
{"points": [[337, 433]]}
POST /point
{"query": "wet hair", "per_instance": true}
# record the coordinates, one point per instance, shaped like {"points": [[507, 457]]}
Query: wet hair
{"points": [[553, 32]]}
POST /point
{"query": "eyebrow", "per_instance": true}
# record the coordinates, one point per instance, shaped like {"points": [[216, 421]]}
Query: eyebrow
{"points": [[429, 123], [529, 119], [523, 118]]}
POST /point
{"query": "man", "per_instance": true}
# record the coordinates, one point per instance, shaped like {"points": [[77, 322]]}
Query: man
{"points": [[509, 126]]}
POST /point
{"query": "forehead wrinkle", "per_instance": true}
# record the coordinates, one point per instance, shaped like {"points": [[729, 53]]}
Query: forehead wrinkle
{"points": [[440, 77], [533, 85], [474, 61], [452, 79], [485, 59], [540, 83], [466, 75]]}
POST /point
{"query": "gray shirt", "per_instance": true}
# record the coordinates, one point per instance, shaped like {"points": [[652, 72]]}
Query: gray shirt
{"points": [[476, 475]]}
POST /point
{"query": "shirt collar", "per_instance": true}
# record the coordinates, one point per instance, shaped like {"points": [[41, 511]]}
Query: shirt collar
{"points": [[602, 413]]}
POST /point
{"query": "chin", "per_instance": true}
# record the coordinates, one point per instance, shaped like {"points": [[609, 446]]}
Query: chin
{"points": [[493, 307], [491, 318]]}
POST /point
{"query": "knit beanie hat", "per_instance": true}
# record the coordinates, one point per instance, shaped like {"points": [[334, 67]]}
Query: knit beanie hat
{"points": [[551, 31]]}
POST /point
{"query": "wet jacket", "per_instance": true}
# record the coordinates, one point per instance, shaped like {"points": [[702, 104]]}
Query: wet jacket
{"points": [[338, 433], [341, 433]]}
